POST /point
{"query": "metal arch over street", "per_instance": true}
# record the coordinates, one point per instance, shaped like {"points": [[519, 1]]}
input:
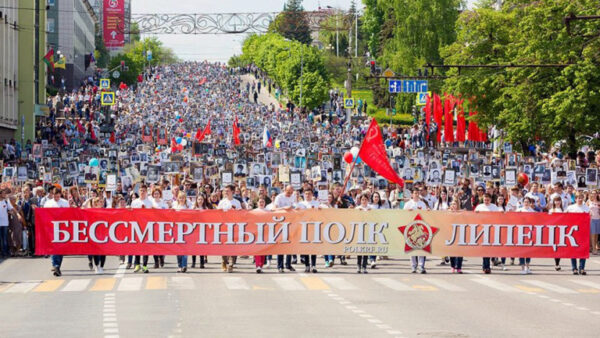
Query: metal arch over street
{"points": [[222, 23]]}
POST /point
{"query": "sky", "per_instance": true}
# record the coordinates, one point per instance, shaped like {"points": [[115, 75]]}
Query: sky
{"points": [[218, 47]]}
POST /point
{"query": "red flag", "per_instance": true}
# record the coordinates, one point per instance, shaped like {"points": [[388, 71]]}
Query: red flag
{"points": [[460, 122], [427, 113], [173, 145], [437, 115], [474, 133], [80, 127], [140, 78], [373, 153], [448, 118], [199, 135], [236, 132], [112, 138], [65, 139], [207, 129]]}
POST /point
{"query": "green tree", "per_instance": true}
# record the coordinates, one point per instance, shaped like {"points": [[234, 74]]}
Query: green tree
{"points": [[292, 23], [528, 104], [129, 76], [292, 65], [101, 53]]}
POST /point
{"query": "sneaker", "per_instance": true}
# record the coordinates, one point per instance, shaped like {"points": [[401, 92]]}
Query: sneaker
{"points": [[184, 270], [504, 267], [344, 262], [294, 260], [487, 271], [358, 270], [258, 270], [193, 265], [453, 270], [414, 270], [373, 264], [524, 271], [201, 265], [268, 264], [512, 261], [223, 266], [528, 270], [575, 271], [145, 269], [291, 268], [137, 268], [91, 265], [179, 270], [100, 270], [327, 264], [55, 272], [557, 268], [365, 270], [280, 270], [314, 269], [458, 270], [307, 269], [128, 266], [582, 272], [423, 271], [230, 269], [331, 264], [156, 265]]}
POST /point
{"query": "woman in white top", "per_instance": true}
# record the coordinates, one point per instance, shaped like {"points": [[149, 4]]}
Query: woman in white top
{"points": [[455, 262], [181, 204], [158, 203], [578, 207], [201, 203], [528, 203], [556, 207], [362, 259], [487, 205], [594, 204], [443, 202], [376, 203], [310, 263]]}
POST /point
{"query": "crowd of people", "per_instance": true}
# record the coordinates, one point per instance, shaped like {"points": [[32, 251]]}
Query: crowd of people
{"points": [[194, 136]]}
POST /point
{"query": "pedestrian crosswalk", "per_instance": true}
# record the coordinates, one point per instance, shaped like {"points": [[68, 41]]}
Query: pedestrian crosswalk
{"points": [[301, 282]]}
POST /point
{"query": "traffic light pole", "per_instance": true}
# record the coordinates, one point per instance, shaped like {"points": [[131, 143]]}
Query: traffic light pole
{"points": [[349, 92]]}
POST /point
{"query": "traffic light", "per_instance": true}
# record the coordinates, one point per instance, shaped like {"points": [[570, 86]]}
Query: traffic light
{"points": [[122, 65]]}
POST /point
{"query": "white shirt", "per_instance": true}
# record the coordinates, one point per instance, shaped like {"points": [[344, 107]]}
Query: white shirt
{"points": [[578, 208], [513, 203], [184, 206], [564, 197], [141, 203], [51, 203], [308, 205], [5, 206], [159, 204], [523, 209], [412, 205], [282, 201], [483, 207], [226, 204]]}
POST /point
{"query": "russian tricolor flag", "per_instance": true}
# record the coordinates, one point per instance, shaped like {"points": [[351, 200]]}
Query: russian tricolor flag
{"points": [[267, 140]]}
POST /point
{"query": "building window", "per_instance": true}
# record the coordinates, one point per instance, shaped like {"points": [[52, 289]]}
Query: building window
{"points": [[50, 25], [50, 2]]}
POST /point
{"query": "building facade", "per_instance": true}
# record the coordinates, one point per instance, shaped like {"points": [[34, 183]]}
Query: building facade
{"points": [[9, 68], [71, 31], [97, 6]]}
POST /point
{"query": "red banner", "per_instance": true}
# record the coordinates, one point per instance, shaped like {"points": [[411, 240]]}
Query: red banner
{"points": [[114, 23], [373, 153], [73, 231]]}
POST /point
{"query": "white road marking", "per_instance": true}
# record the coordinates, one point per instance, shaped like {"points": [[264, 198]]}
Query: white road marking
{"points": [[120, 271], [393, 284], [22, 287], [339, 283], [288, 283], [495, 285], [235, 283], [130, 284], [586, 283], [442, 284], [548, 286], [77, 285], [374, 321], [383, 326], [182, 283]]}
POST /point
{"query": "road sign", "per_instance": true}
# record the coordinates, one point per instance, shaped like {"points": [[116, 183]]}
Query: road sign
{"points": [[107, 98], [388, 73], [349, 103], [104, 83], [408, 86], [116, 74], [422, 98]]}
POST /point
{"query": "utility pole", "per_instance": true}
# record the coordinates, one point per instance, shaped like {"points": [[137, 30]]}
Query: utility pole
{"points": [[356, 34], [349, 90], [337, 35], [301, 72]]}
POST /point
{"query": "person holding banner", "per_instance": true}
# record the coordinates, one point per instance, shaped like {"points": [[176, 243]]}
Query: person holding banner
{"points": [[181, 204], [455, 262], [259, 260], [361, 260], [578, 207], [142, 202], [285, 201], [201, 204], [159, 203], [228, 203], [309, 203], [594, 204], [415, 203], [487, 205], [56, 202], [556, 208], [528, 202]]}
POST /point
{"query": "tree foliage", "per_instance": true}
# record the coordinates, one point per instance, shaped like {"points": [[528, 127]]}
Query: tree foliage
{"points": [[292, 23], [282, 60], [550, 104], [404, 35]]}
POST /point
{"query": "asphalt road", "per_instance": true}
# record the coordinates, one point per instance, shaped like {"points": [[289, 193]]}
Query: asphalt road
{"points": [[335, 302]]}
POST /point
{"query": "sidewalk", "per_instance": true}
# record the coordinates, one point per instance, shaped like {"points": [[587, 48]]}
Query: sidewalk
{"points": [[263, 96]]}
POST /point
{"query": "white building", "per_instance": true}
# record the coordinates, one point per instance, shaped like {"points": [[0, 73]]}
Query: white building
{"points": [[9, 67]]}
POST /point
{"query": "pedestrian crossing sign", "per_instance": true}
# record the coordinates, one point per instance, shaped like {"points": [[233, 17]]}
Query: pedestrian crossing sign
{"points": [[349, 103], [107, 98], [104, 83], [422, 98]]}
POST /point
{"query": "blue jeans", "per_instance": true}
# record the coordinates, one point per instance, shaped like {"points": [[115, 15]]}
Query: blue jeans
{"points": [[182, 261], [56, 260], [523, 261], [581, 264], [329, 258], [486, 263], [4, 240]]}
